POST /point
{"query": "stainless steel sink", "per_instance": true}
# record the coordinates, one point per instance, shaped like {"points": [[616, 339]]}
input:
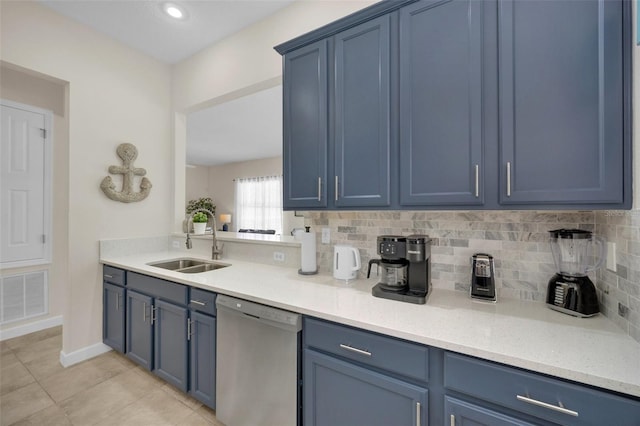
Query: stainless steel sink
{"points": [[188, 265]]}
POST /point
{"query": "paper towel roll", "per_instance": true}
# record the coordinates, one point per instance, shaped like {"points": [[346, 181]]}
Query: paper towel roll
{"points": [[307, 252]]}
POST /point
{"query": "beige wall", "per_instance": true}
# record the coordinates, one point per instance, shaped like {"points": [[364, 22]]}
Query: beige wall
{"points": [[115, 95], [220, 185], [34, 90], [241, 64]]}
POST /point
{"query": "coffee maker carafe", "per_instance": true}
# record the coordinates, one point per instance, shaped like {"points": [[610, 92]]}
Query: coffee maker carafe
{"points": [[406, 268], [575, 252]]}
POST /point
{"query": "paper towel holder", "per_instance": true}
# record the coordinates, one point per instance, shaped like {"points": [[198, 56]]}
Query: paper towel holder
{"points": [[296, 233]]}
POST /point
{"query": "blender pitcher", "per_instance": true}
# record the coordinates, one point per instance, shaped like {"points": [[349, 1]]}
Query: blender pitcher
{"points": [[576, 252]]}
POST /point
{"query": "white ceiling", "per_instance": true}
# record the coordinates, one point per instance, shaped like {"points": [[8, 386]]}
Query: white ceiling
{"points": [[243, 129]]}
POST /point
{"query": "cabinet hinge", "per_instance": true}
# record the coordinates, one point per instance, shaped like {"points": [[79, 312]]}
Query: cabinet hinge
{"points": [[44, 133], [44, 239]]}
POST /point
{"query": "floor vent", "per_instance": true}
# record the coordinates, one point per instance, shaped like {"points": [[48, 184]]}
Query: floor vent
{"points": [[23, 296]]}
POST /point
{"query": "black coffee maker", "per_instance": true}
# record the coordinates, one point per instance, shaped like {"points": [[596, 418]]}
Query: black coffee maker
{"points": [[406, 268]]}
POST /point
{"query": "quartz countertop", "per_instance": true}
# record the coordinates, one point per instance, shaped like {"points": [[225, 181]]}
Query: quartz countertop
{"points": [[523, 334]]}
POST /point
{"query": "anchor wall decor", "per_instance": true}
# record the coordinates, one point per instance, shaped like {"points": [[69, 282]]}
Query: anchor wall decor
{"points": [[128, 153]]}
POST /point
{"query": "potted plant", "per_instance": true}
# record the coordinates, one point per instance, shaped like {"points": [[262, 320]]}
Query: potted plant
{"points": [[200, 222], [199, 203]]}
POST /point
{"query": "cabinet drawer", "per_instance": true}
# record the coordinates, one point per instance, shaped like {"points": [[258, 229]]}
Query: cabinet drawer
{"points": [[396, 356], [156, 287], [203, 301], [113, 275], [562, 402]]}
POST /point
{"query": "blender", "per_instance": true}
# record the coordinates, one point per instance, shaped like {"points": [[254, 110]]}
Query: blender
{"points": [[576, 252]]}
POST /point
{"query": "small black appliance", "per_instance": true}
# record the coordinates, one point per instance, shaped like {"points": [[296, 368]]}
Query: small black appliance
{"points": [[406, 268], [576, 252], [483, 283]]}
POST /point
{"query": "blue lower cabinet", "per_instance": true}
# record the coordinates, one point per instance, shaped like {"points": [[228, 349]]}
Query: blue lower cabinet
{"points": [[341, 393], [202, 346], [170, 343], [113, 319], [461, 413], [139, 329]]}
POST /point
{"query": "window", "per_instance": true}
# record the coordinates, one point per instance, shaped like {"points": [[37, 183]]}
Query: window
{"points": [[259, 203]]}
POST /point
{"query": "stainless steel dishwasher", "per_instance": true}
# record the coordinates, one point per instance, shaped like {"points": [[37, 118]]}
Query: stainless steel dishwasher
{"points": [[258, 371]]}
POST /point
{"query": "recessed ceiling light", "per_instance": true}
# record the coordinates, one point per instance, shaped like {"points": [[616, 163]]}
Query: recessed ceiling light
{"points": [[173, 10]]}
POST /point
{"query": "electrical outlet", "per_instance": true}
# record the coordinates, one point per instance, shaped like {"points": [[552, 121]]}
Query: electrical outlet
{"points": [[278, 256], [611, 256], [326, 235], [175, 244]]}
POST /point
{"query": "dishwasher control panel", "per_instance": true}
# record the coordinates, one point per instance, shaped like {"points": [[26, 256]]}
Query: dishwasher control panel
{"points": [[260, 312]]}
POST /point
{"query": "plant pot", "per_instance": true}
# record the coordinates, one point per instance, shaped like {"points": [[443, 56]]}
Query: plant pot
{"points": [[199, 227]]}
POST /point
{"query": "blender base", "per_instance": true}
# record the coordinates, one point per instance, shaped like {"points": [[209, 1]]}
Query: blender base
{"points": [[573, 295]]}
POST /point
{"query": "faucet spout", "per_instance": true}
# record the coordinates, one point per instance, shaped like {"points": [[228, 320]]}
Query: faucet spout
{"points": [[216, 252]]}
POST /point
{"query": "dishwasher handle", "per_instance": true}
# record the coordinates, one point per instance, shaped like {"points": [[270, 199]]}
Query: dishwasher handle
{"points": [[289, 321]]}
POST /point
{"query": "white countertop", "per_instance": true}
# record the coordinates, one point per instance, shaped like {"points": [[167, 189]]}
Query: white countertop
{"points": [[523, 334]]}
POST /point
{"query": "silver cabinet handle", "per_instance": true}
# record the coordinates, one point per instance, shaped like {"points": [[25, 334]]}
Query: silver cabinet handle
{"points": [[197, 302], [319, 188], [108, 276], [559, 408], [356, 350], [188, 329], [452, 420], [508, 178], [153, 314], [477, 181], [336, 188], [418, 407]]}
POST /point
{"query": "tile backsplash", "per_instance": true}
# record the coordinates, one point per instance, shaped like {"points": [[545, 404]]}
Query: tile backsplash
{"points": [[620, 291], [518, 240]]}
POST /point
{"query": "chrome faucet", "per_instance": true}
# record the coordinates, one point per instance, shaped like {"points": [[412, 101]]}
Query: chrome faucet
{"points": [[216, 252]]}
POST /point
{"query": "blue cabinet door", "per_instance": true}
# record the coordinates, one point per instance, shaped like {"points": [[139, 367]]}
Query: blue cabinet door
{"points": [[305, 127], [561, 102], [203, 359], [113, 316], [462, 413], [362, 135], [340, 393], [170, 348], [441, 103], [139, 329]]}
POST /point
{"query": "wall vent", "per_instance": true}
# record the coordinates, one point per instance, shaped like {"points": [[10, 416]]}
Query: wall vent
{"points": [[23, 296]]}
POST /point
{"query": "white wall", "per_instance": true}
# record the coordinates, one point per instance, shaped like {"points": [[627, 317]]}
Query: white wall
{"points": [[31, 89], [115, 95]]}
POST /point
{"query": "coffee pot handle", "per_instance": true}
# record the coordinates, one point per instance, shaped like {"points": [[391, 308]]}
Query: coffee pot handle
{"points": [[371, 262], [602, 253]]}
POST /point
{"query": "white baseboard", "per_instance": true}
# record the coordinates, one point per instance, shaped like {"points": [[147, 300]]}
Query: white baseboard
{"points": [[83, 354], [32, 327]]}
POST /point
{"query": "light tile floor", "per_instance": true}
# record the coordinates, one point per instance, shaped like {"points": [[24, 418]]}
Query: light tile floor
{"points": [[107, 390]]}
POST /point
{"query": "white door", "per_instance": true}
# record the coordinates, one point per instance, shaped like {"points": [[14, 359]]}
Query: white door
{"points": [[22, 183]]}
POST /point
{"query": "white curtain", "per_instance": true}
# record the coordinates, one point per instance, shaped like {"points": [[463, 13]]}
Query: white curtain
{"points": [[259, 203]]}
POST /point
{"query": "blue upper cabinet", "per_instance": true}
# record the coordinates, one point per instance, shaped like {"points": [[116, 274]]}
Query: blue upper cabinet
{"points": [[361, 94], [337, 105], [562, 103], [441, 105], [463, 104], [305, 127]]}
